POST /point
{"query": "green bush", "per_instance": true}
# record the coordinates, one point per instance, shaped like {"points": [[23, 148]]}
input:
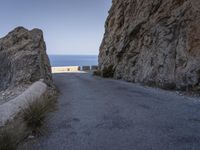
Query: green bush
{"points": [[97, 73], [108, 72]]}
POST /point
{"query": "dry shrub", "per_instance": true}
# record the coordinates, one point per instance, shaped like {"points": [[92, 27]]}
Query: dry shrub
{"points": [[8, 140], [36, 113]]}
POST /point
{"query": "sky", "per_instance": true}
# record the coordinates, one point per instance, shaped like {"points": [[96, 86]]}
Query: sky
{"points": [[69, 26]]}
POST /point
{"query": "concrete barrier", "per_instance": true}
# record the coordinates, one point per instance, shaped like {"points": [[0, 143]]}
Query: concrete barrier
{"points": [[94, 67], [85, 68], [11, 108], [65, 69]]}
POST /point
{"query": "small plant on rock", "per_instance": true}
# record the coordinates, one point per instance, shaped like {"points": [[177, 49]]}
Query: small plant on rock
{"points": [[108, 72], [97, 73]]}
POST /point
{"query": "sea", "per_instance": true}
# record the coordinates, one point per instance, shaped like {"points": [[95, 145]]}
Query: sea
{"points": [[73, 60]]}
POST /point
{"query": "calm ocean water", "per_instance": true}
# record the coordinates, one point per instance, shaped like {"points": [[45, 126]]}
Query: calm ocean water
{"points": [[73, 60]]}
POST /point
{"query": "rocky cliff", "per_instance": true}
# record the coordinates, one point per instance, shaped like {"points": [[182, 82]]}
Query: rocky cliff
{"points": [[156, 42], [23, 59]]}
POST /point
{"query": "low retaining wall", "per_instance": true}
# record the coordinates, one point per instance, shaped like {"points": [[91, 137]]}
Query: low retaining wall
{"points": [[11, 108], [66, 69], [86, 68], [94, 67]]}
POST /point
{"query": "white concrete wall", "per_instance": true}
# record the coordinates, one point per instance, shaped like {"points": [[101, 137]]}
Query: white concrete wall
{"points": [[11, 108], [65, 69]]}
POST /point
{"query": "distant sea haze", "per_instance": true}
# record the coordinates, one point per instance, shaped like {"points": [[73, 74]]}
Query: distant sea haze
{"points": [[73, 60]]}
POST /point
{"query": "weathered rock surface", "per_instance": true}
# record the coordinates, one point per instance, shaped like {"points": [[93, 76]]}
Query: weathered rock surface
{"points": [[23, 59], [156, 42]]}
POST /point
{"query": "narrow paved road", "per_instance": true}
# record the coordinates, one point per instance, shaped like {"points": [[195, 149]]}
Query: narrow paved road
{"points": [[105, 114]]}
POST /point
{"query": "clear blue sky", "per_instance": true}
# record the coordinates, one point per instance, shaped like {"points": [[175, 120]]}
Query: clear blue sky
{"points": [[69, 26]]}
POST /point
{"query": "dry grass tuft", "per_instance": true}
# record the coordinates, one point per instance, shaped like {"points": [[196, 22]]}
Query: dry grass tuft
{"points": [[36, 114], [30, 121], [8, 140]]}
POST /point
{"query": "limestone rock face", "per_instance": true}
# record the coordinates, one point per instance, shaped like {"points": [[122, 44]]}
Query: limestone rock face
{"points": [[156, 42], [23, 58]]}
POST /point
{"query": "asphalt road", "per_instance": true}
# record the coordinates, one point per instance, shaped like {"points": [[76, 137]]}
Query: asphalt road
{"points": [[106, 114]]}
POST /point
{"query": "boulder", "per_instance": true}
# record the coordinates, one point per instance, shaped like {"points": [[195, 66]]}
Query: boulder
{"points": [[23, 59], [156, 42]]}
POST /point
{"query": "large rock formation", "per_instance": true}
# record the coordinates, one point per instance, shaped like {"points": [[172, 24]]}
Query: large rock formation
{"points": [[23, 59], [156, 42]]}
